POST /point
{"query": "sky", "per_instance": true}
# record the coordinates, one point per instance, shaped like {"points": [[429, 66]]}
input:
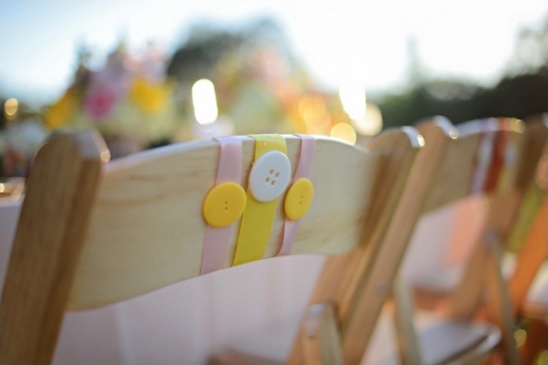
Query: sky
{"points": [[362, 41]]}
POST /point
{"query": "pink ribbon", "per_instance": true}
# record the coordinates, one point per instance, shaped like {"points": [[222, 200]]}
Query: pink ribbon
{"points": [[308, 143], [217, 240]]}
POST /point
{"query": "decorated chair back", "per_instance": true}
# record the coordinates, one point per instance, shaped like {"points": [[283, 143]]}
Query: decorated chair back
{"points": [[94, 232]]}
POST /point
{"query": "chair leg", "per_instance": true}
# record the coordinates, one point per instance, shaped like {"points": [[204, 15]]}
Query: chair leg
{"points": [[320, 338], [46, 248], [537, 337], [403, 317], [499, 305]]}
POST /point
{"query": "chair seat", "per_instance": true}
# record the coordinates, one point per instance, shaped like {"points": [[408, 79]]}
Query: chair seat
{"points": [[432, 286], [441, 341]]}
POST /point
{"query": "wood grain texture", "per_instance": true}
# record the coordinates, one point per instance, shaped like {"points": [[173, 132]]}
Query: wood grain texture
{"points": [[147, 230], [52, 226]]}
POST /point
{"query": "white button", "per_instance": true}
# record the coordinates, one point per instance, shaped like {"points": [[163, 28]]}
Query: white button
{"points": [[270, 176]]}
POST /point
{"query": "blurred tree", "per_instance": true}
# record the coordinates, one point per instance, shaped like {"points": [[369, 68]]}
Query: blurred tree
{"points": [[207, 45], [204, 48], [520, 96], [3, 118], [530, 50], [522, 92], [457, 100], [257, 79]]}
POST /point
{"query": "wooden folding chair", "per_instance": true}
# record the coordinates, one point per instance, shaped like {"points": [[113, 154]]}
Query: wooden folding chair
{"points": [[92, 233], [527, 244], [443, 173], [494, 161], [516, 177], [448, 168]]}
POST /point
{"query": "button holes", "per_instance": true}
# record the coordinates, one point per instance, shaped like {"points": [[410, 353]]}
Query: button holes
{"points": [[273, 182], [271, 171], [277, 174], [267, 180]]}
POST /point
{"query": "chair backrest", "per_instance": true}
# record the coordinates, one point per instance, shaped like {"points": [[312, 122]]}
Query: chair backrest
{"points": [[527, 236], [516, 170], [493, 158], [93, 233], [521, 231], [481, 160]]}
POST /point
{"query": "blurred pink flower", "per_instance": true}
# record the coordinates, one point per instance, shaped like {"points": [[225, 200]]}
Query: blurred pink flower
{"points": [[99, 103], [116, 80]]}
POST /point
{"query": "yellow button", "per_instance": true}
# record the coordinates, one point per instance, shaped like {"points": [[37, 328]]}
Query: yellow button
{"points": [[298, 199], [224, 204]]}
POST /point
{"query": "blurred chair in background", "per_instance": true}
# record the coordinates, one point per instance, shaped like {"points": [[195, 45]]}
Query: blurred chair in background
{"points": [[466, 265]]}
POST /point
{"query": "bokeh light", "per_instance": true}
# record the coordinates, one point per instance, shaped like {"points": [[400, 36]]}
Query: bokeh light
{"points": [[344, 132], [204, 101], [10, 107], [353, 100]]}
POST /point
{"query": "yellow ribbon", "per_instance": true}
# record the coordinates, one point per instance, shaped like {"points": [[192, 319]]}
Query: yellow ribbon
{"points": [[258, 217]]}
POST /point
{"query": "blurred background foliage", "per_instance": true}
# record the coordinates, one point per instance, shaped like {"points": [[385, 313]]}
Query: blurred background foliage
{"points": [[522, 91], [261, 86]]}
